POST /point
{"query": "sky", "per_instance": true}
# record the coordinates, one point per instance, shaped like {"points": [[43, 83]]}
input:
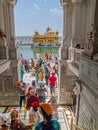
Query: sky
{"points": [[37, 15]]}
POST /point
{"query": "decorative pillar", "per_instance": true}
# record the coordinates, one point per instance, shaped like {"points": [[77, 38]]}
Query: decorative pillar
{"points": [[2, 33], [76, 22], [95, 45], [1, 16], [67, 11], [8, 8], [91, 43], [11, 44], [6, 21], [66, 77], [9, 95]]}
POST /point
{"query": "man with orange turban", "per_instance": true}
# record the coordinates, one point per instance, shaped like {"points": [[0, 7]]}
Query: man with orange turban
{"points": [[47, 123]]}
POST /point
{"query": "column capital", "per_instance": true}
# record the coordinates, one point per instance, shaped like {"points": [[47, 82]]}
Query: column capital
{"points": [[13, 2], [77, 1], [64, 2]]}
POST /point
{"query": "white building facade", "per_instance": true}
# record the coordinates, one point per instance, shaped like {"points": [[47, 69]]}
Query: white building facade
{"points": [[79, 60], [8, 55]]}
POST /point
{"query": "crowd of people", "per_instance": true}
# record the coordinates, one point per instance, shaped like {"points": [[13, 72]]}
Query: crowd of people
{"points": [[43, 114]]}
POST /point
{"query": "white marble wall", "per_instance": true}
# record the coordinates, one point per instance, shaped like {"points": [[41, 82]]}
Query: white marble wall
{"points": [[89, 74], [9, 73], [1, 16], [87, 114], [83, 16]]}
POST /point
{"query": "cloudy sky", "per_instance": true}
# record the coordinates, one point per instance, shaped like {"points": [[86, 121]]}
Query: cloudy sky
{"points": [[37, 15]]}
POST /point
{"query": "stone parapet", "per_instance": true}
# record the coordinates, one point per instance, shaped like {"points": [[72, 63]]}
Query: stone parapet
{"points": [[4, 65], [12, 53], [89, 74], [8, 78], [9, 99], [3, 53], [87, 104], [66, 82], [86, 109]]}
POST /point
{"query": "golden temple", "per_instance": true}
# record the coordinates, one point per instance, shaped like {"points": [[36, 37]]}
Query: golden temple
{"points": [[49, 38]]}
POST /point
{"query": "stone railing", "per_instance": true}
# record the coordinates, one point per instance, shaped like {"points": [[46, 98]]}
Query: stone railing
{"points": [[74, 59], [4, 65], [76, 54], [89, 74]]}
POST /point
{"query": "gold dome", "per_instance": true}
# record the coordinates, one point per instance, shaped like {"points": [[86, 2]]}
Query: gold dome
{"points": [[50, 32]]}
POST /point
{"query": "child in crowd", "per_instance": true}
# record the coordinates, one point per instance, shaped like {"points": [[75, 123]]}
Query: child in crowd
{"points": [[31, 98]]}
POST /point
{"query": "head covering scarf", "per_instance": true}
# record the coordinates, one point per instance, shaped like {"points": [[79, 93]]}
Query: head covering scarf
{"points": [[35, 104], [5, 119], [18, 83], [14, 114]]}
